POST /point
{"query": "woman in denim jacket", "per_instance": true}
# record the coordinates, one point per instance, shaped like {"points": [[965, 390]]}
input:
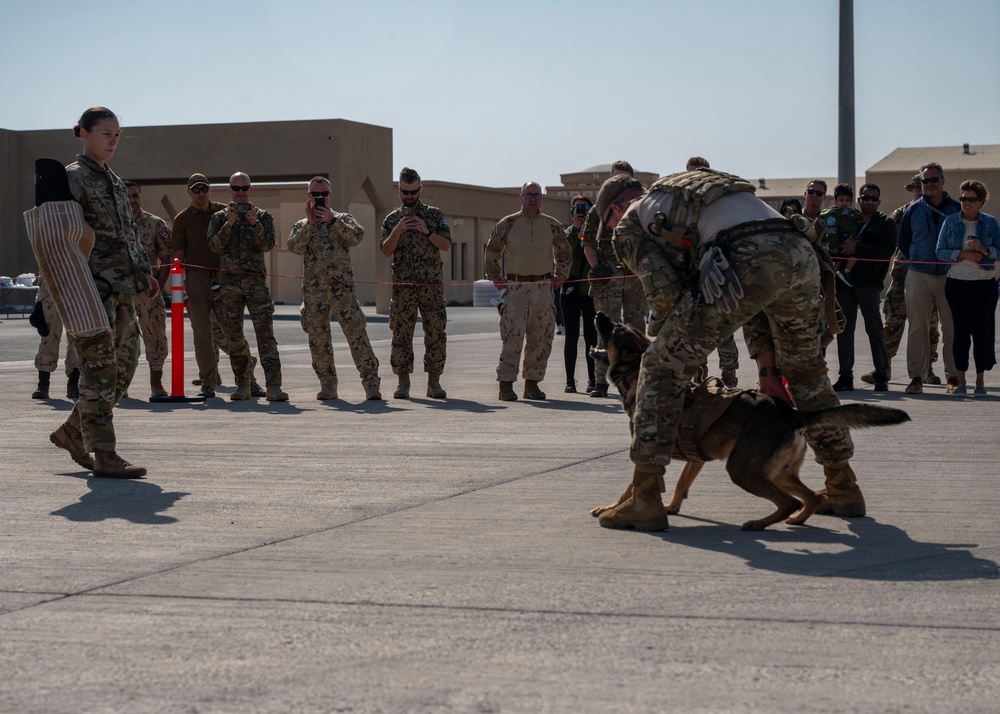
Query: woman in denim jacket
{"points": [[969, 240]]}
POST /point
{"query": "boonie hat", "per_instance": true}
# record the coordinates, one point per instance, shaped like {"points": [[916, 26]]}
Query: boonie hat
{"points": [[611, 190], [197, 179], [914, 182]]}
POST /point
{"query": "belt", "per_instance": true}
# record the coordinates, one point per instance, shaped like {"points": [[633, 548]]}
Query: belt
{"points": [[752, 228], [529, 278]]}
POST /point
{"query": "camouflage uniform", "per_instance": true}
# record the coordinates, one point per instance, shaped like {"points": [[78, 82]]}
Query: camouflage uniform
{"points": [[527, 316], [417, 286], [328, 286], [154, 237], [894, 307], [47, 358], [780, 276], [243, 284], [121, 271]]}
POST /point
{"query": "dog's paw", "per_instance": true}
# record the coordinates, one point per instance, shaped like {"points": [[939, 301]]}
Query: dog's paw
{"points": [[754, 526], [672, 509], [601, 509]]}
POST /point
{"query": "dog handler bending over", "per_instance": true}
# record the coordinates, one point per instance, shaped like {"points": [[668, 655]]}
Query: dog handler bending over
{"points": [[712, 258]]}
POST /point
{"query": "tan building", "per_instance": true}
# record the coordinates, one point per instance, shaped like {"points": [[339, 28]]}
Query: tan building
{"points": [[587, 183], [959, 162]]}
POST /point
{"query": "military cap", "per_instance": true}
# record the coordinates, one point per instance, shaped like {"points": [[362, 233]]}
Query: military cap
{"points": [[612, 189], [197, 179], [914, 182]]}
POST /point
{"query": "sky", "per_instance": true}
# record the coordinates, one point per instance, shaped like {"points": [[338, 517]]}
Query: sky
{"points": [[496, 94]]}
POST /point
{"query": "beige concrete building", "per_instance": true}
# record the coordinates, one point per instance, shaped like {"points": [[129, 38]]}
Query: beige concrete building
{"points": [[959, 162], [588, 181]]}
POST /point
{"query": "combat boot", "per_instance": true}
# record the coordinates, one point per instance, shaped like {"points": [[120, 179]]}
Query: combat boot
{"points": [[242, 393], [156, 384], [43, 386], [600, 390], [275, 394], [328, 390], [403, 389], [729, 379], [643, 509], [108, 464], [69, 437], [373, 391], [256, 390], [531, 390], [841, 497], [73, 385], [507, 393], [434, 388]]}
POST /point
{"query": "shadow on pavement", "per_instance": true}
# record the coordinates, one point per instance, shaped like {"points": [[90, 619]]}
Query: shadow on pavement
{"points": [[131, 500]]}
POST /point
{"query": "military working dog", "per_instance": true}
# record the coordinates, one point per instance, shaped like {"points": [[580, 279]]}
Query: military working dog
{"points": [[763, 439]]}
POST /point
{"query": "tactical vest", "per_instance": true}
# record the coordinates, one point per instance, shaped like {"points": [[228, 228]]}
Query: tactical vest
{"points": [[691, 191]]}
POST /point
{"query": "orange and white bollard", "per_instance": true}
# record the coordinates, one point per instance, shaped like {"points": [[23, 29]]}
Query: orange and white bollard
{"points": [[177, 338]]}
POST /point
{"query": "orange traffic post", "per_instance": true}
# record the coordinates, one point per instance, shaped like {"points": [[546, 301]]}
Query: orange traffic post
{"points": [[177, 339]]}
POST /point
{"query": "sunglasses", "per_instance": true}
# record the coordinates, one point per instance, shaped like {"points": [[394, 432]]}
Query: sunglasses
{"points": [[239, 189], [414, 192], [530, 196], [198, 189], [319, 194], [868, 198], [581, 208], [814, 192], [932, 179], [969, 199]]}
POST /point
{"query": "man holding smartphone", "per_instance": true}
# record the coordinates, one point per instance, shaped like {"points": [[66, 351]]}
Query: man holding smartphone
{"points": [[324, 239], [414, 235], [241, 233]]}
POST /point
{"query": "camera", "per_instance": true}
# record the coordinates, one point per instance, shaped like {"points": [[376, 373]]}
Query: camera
{"points": [[407, 211], [241, 208]]}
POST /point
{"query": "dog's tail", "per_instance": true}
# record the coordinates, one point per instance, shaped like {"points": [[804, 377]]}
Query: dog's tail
{"points": [[855, 416]]}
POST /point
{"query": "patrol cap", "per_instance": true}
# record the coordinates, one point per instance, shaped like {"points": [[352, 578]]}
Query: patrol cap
{"points": [[198, 179], [914, 182], [611, 190]]}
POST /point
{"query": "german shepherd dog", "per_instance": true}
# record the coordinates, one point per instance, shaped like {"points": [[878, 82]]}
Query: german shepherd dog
{"points": [[761, 438]]}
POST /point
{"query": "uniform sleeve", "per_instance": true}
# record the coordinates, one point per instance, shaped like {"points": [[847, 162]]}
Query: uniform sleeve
{"points": [[347, 230], [300, 237], [219, 232], [387, 225], [263, 232], [590, 225], [161, 242], [494, 250], [442, 229], [562, 254]]}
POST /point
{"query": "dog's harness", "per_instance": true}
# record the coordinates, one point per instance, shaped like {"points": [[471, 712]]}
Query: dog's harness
{"points": [[704, 404]]}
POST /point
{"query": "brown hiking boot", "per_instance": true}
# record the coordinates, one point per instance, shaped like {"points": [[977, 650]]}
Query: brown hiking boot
{"points": [[434, 388], [108, 464], [327, 391], [373, 391], [69, 438], [642, 510], [531, 390], [275, 394], [156, 384], [841, 497], [242, 393], [507, 393], [403, 390]]}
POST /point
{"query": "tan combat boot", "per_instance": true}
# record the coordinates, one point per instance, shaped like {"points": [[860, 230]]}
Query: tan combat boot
{"points": [[531, 390], [373, 391], [643, 510], [434, 388], [275, 394], [69, 438], [403, 390], [507, 393], [242, 393], [841, 497], [328, 390], [108, 464], [156, 384]]}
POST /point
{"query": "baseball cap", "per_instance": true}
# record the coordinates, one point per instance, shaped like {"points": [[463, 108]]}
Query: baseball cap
{"points": [[914, 182], [198, 179], [611, 190]]}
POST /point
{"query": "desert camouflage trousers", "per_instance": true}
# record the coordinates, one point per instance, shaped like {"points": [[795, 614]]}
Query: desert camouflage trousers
{"points": [[153, 327], [249, 292], [622, 299], [781, 281], [319, 300], [527, 323], [47, 357], [428, 300], [107, 363], [729, 360], [894, 309]]}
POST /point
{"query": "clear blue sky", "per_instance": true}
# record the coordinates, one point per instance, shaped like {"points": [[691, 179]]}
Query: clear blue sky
{"points": [[499, 93]]}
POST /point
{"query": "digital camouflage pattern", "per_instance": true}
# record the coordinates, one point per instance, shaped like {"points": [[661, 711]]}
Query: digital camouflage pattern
{"points": [[417, 277], [243, 284], [47, 358], [780, 276], [154, 237], [328, 287], [117, 261]]}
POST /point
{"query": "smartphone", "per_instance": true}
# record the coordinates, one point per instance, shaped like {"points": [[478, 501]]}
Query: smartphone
{"points": [[321, 202]]}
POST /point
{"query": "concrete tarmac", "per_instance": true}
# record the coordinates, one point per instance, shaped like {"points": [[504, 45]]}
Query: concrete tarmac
{"points": [[439, 556]]}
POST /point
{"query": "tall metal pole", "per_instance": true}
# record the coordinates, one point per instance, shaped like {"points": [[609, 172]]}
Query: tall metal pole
{"points": [[845, 162]]}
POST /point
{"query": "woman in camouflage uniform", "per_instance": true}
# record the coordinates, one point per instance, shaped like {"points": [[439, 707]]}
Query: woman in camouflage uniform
{"points": [[121, 272]]}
